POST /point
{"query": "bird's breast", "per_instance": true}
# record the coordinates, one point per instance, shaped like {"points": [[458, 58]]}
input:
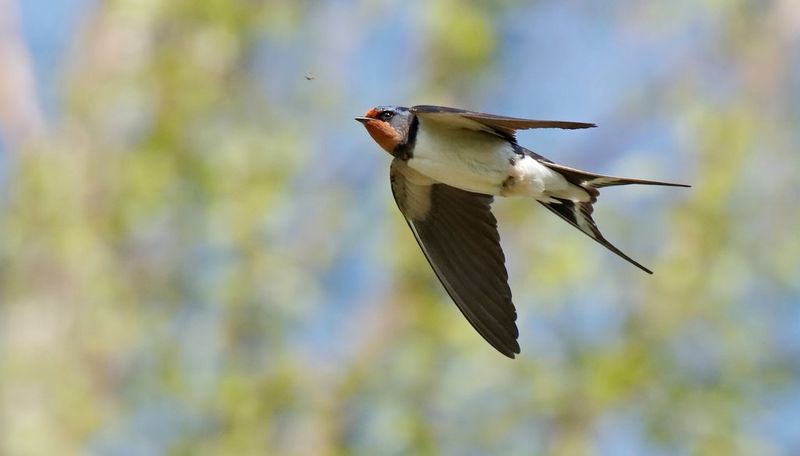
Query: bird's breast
{"points": [[470, 160]]}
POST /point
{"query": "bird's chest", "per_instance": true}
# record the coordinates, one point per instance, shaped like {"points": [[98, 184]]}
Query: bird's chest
{"points": [[464, 159]]}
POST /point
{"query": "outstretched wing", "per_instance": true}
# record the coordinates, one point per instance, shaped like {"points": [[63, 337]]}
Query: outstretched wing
{"points": [[500, 125], [458, 235]]}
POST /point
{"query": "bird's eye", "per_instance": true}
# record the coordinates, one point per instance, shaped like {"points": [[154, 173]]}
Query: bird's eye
{"points": [[386, 115]]}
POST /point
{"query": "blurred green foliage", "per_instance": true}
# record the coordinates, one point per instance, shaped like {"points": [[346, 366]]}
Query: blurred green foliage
{"points": [[154, 298]]}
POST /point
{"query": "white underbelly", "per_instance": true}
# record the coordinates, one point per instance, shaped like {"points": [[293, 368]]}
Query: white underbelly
{"points": [[484, 163], [473, 161], [531, 178]]}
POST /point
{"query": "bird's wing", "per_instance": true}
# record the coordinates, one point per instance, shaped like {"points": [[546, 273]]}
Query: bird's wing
{"points": [[458, 235], [501, 125]]}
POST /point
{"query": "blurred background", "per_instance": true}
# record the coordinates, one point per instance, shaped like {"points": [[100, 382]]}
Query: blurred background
{"points": [[200, 254]]}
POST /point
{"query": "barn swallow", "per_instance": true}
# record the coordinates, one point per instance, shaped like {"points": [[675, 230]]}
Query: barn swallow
{"points": [[448, 166]]}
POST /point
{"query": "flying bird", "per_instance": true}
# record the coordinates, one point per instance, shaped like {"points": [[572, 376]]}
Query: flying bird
{"points": [[448, 166]]}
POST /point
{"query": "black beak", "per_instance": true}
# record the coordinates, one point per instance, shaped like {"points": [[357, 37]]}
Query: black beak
{"points": [[364, 119]]}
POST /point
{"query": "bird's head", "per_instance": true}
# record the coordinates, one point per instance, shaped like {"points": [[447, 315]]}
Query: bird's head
{"points": [[388, 125]]}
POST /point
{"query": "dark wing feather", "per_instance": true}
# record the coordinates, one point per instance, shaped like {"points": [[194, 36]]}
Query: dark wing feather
{"points": [[458, 235], [502, 125]]}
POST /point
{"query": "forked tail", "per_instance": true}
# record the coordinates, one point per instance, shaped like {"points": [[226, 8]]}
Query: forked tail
{"points": [[579, 214]]}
